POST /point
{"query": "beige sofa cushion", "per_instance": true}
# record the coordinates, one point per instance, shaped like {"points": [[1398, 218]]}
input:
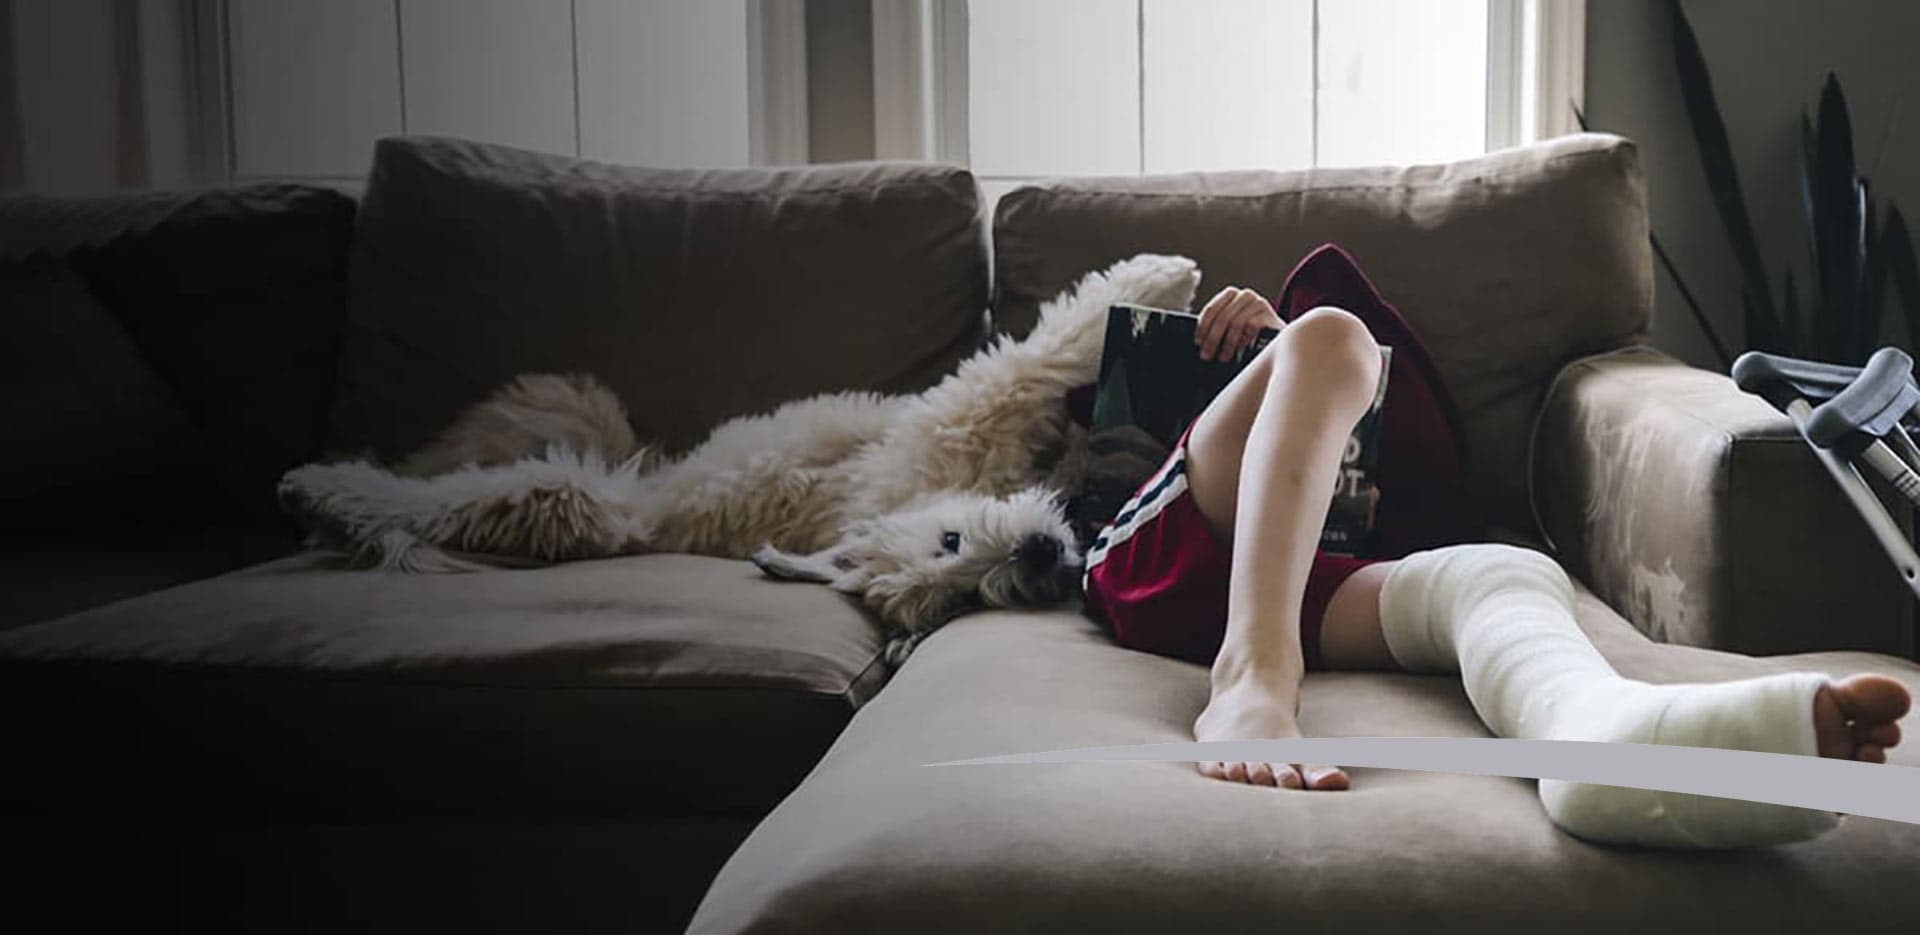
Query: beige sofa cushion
{"points": [[1509, 265], [594, 688], [696, 295], [876, 841]]}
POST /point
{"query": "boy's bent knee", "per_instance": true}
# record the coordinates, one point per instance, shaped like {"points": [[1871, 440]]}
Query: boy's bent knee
{"points": [[1334, 346]]}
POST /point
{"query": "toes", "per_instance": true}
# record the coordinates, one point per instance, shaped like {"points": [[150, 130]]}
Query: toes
{"points": [[1884, 735], [1286, 776], [1328, 778], [1871, 698]]}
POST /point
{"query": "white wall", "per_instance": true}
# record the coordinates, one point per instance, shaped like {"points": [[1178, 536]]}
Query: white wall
{"points": [[663, 82], [496, 70], [105, 95], [1767, 60], [64, 83], [315, 82], [645, 82]]}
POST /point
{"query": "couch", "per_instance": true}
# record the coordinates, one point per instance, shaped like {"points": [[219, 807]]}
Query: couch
{"points": [[654, 742]]}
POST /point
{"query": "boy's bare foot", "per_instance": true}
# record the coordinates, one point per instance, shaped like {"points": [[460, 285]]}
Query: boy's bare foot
{"points": [[1853, 718], [1246, 711]]}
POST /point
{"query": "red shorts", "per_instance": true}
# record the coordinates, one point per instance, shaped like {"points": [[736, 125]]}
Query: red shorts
{"points": [[1156, 576]]}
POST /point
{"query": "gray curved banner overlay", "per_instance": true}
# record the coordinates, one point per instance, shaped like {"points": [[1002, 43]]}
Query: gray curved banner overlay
{"points": [[1871, 790]]}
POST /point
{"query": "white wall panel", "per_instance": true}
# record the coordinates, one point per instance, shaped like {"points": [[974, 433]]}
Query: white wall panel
{"points": [[494, 70], [63, 62], [315, 83], [1228, 84], [663, 82], [1054, 87], [1402, 82]]}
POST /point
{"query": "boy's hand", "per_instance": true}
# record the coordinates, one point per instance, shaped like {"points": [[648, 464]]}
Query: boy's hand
{"points": [[1230, 321]]}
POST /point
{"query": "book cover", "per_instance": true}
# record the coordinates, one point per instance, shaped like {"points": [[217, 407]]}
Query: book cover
{"points": [[1153, 384]]}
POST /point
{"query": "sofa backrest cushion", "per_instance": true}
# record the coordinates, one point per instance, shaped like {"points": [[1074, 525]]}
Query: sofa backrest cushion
{"points": [[234, 296], [695, 295], [1508, 265], [91, 431]]}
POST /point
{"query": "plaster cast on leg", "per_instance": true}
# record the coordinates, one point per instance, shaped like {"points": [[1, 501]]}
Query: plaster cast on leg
{"points": [[1503, 618]]}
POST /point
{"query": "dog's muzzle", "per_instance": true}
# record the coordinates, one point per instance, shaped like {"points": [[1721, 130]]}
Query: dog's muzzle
{"points": [[1045, 570]]}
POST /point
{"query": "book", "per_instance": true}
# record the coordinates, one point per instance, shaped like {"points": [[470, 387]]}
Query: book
{"points": [[1153, 384]]}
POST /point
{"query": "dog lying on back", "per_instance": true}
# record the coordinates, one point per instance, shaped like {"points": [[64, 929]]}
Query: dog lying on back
{"points": [[924, 505]]}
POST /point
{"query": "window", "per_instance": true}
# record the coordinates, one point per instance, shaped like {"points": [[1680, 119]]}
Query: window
{"points": [[1022, 90]]}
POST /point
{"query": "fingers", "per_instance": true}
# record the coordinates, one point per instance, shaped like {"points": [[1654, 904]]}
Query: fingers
{"points": [[1206, 335], [1230, 322]]}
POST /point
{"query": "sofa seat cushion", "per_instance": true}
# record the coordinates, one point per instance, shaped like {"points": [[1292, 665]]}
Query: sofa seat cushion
{"points": [[592, 689], [46, 574], [876, 841]]}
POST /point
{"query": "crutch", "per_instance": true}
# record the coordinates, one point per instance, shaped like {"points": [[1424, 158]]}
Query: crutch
{"points": [[1848, 414]]}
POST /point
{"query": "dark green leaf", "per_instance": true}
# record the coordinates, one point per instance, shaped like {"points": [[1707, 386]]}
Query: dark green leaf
{"points": [[1716, 157], [1763, 333], [1837, 219], [1896, 252], [1869, 292], [1790, 313], [1808, 146], [1579, 117]]}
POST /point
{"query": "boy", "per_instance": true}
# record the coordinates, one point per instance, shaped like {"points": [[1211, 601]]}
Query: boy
{"points": [[1229, 527]]}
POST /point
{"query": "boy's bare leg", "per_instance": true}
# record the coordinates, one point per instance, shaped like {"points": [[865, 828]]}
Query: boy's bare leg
{"points": [[1262, 462]]}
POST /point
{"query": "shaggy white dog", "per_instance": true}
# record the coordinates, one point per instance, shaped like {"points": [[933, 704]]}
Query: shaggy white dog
{"points": [[923, 505]]}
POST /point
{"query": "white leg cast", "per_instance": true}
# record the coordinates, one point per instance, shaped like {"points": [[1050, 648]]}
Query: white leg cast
{"points": [[1503, 618]]}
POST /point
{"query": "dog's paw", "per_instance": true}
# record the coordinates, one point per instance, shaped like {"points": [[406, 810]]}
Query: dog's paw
{"points": [[767, 559], [789, 567], [1160, 280]]}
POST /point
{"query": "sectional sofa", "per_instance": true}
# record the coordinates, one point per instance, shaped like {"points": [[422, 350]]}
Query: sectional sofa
{"points": [[210, 728]]}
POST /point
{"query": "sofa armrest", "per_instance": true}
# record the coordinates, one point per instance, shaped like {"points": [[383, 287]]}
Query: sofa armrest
{"points": [[1697, 512]]}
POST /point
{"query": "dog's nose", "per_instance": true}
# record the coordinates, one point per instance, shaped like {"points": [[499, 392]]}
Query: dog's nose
{"points": [[1039, 553]]}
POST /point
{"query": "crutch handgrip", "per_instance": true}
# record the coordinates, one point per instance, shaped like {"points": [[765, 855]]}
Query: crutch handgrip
{"points": [[1869, 407], [1781, 380]]}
